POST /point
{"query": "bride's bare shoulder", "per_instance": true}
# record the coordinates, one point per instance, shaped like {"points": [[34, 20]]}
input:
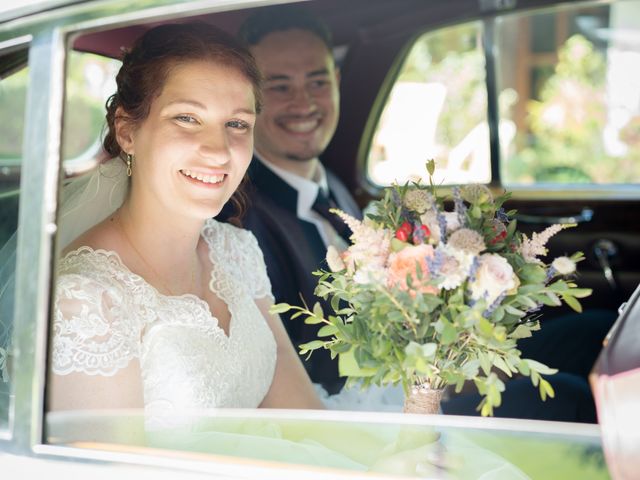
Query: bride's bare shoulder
{"points": [[103, 236]]}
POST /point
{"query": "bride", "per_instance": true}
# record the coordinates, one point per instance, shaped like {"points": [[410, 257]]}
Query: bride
{"points": [[158, 305]]}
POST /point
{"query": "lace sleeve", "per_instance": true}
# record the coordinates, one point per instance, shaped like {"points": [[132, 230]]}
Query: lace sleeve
{"points": [[94, 331], [243, 259]]}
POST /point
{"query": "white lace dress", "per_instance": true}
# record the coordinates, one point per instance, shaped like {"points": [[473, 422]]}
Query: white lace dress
{"points": [[105, 316]]}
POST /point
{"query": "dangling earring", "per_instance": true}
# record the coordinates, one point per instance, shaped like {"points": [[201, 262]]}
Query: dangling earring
{"points": [[130, 159]]}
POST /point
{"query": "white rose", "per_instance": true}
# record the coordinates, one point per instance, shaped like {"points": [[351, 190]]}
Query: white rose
{"points": [[455, 267], [564, 265], [493, 277]]}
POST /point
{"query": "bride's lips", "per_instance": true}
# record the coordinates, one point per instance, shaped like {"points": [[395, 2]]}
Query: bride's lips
{"points": [[204, 179]]}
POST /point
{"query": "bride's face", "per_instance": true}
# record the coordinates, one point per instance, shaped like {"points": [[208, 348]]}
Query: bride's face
{"points": [[195, 145]]}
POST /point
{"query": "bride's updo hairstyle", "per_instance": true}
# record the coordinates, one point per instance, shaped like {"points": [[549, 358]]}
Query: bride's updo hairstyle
{"points": [[146, 65]]}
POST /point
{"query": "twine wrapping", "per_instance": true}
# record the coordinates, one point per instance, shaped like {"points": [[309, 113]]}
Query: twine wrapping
{"points": [[423, 399]]}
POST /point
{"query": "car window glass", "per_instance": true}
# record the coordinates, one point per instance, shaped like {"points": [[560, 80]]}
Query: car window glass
{"points": [[570, 95], [13, 92], [90, 80], [348, 443], [436, 109]]}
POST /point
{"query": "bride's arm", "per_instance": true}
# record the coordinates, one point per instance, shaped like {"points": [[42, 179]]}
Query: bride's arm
{"points": [[291, 386], [79, 391]]}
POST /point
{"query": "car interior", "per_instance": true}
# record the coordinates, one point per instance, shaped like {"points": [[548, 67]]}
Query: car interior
{"points": [[481, 87]]}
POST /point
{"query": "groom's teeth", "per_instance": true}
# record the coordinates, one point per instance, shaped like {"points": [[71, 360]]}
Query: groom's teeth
{"points": [[203, 178]]}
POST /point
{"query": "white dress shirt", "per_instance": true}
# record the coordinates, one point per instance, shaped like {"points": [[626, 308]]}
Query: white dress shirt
{"points": [[307, 193]]}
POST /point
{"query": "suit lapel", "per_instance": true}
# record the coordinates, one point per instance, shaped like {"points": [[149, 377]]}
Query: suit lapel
{"points": [[279, 202]]}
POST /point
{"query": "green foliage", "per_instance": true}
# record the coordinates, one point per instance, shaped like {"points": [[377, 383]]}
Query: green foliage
{"points": [[426, 296], [564, 143]]}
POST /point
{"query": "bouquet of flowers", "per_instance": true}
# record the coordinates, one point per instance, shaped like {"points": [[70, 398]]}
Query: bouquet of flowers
{"points": [[429, 298]]}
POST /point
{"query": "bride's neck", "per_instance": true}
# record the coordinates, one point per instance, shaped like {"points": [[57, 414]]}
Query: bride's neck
{"points": [[168, 246]]}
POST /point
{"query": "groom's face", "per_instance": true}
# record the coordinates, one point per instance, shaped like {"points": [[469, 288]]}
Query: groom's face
{"points": [[300, 96]]}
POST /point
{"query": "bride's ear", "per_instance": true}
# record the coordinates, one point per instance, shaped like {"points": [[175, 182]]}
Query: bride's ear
{"points": [[124, 128]]}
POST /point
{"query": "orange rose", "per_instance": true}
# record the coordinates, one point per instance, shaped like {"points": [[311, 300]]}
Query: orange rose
{"points": [[407, 262]]}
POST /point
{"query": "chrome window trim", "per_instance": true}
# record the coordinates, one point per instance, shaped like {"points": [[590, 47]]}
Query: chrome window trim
{"points": [[16, 43], [36, 220]]}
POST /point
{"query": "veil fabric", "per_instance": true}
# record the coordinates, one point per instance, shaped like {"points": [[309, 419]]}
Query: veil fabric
{"points": [[85, 201], [89, 199]]}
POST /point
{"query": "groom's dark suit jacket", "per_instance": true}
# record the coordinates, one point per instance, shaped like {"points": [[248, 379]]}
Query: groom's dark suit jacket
{"points": [[293, 249]]}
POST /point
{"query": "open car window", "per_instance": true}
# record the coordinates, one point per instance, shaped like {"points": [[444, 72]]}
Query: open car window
{"points": [[570, 95], [437, 109], [567, 90]]}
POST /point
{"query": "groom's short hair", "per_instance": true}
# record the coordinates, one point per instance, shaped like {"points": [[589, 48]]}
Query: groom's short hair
{"points": [[280, 18]]}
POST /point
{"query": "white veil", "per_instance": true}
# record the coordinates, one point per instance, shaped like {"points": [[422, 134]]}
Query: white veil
{"points": [[85, 201], [89, 199]]}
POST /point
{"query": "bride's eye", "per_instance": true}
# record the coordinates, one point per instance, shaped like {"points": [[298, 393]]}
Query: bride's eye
{"points": [[238, 125], [186, 119]]}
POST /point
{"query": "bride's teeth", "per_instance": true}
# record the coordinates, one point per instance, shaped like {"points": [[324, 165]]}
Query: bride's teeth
{"points": [[204, 178]]}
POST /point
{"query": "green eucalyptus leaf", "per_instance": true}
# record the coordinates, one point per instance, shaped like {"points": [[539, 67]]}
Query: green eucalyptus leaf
{"points": [[279, 308], [581, 292], [532, 273], [317, 310], [312, 345], [541, 368], [348, 366], [340, 347], [514, 311], [546, 389], [502, 365], [572, 302], [327, 331], [521, 331], [312, 320]]}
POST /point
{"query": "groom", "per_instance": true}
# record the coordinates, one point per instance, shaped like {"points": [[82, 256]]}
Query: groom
{"points": [[291, 191]]}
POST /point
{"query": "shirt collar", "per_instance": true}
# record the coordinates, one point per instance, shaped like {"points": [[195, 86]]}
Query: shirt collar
{"points": [[307, 189]]}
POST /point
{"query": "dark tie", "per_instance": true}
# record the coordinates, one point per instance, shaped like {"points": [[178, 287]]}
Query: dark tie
{"points": [[322, 205]]}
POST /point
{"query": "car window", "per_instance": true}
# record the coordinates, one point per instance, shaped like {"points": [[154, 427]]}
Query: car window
{"points": [[90, 81], [437, 108], [13, 92], [570, 95]]}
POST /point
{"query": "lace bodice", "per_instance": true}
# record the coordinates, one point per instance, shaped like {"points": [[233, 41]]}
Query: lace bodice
{"points": [[105, 316]]}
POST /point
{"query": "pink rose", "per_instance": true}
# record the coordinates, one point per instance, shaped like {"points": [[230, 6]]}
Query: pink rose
{"points": [[407, 262]]}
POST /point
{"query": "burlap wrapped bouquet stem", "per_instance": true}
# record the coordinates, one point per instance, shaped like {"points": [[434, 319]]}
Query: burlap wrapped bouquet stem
{"points": [[423, 399]]}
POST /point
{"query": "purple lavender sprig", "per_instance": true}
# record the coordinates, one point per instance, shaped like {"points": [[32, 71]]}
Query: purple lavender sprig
{"points": [[442, 223], [496, 303], [435, 263], [473, 269], [502, 216], [459, 207]]}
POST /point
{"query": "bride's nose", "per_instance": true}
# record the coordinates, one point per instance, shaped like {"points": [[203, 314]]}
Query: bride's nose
{"points": [[214, 147]]}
